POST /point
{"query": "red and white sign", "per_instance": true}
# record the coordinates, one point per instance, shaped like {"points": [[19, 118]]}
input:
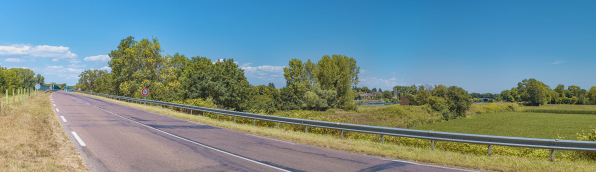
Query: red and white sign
{"points": [[79, 89], [145, 92]]}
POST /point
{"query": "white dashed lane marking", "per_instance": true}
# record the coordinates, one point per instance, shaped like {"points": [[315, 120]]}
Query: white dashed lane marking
{"points": [[78, 139], [63, 119], [57, 110]]}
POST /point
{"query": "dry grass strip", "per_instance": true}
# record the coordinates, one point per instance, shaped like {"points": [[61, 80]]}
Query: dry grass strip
{"points": [[32, 139]]}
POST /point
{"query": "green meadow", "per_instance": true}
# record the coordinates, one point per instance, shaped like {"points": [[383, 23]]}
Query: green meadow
{"points": [[519, 124]]}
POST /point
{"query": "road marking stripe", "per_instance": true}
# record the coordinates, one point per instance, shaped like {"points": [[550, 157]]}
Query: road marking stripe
{"points": [[78, 139], [197, 143], [63, 119], [57, 110], [54, 104]]}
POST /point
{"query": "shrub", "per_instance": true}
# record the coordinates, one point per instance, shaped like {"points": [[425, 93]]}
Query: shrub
{"points": [[405, 100], [441, 106]]}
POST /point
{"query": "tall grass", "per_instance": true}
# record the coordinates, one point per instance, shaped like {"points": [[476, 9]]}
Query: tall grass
{"points": [[32, 139]]}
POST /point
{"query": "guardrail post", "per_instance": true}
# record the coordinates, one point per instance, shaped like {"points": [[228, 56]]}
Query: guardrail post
{"points": [[432, 144], [234, 119], [306, 129], [342, 134], [254, 122], [191, 111], [217, 116], [203, 113], [552, 154], [382, 138], [278, 125], [490, 148]]}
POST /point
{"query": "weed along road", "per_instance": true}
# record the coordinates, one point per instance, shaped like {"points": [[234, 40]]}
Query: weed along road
{"points": [[113, 137]]}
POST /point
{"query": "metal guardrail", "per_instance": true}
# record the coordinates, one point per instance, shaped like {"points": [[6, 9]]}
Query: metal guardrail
{"points": [[553, 144]]}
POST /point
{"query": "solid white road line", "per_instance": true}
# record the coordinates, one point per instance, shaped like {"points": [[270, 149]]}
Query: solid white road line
{"points": [[78, 139], [63, 119]]}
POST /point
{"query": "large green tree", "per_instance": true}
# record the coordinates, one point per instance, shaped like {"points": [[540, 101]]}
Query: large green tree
{"points": [[534, 91], [222, 81], [459, 100]]}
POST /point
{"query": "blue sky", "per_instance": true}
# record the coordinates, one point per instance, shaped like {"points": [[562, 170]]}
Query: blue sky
{"points": [[481, 46]]}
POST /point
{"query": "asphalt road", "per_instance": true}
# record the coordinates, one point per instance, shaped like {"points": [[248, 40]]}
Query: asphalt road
{"points": [[113, 137]]}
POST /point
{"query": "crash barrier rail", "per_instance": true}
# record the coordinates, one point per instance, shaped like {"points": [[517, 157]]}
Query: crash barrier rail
{"points": [[552, 144]]}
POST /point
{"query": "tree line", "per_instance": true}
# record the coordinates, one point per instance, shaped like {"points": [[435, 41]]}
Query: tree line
{"points": [[177, 78], [535, 93], [15, 78]]}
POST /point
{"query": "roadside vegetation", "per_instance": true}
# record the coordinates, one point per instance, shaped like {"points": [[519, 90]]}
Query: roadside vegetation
{"points": [[417, 150], [32, 138]]}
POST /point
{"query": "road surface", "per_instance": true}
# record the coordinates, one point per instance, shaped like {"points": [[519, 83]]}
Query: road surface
{"points": [[113, 137]]}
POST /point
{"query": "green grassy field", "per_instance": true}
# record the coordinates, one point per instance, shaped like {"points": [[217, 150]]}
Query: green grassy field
{"points": [[561, 106], [519, 124]]}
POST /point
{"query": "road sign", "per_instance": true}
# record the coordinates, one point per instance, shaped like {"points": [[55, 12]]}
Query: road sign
{"points": [[145, 92], [79, 89], [37, 86]]}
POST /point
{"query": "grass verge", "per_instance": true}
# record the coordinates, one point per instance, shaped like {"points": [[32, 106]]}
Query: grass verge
{"points": [[32, 138], [385, 150]]}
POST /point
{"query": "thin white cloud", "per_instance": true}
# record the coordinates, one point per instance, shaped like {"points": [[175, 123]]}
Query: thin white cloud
{"points": [[14, 60], [363, 71], [103, 58], [106, 68], [74, 61], [557, 62], [76, 66], [265, 72], [65, 72], [58, 52]]}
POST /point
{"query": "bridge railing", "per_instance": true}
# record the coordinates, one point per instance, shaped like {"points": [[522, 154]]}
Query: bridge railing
{"points": [[552, 144]]}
